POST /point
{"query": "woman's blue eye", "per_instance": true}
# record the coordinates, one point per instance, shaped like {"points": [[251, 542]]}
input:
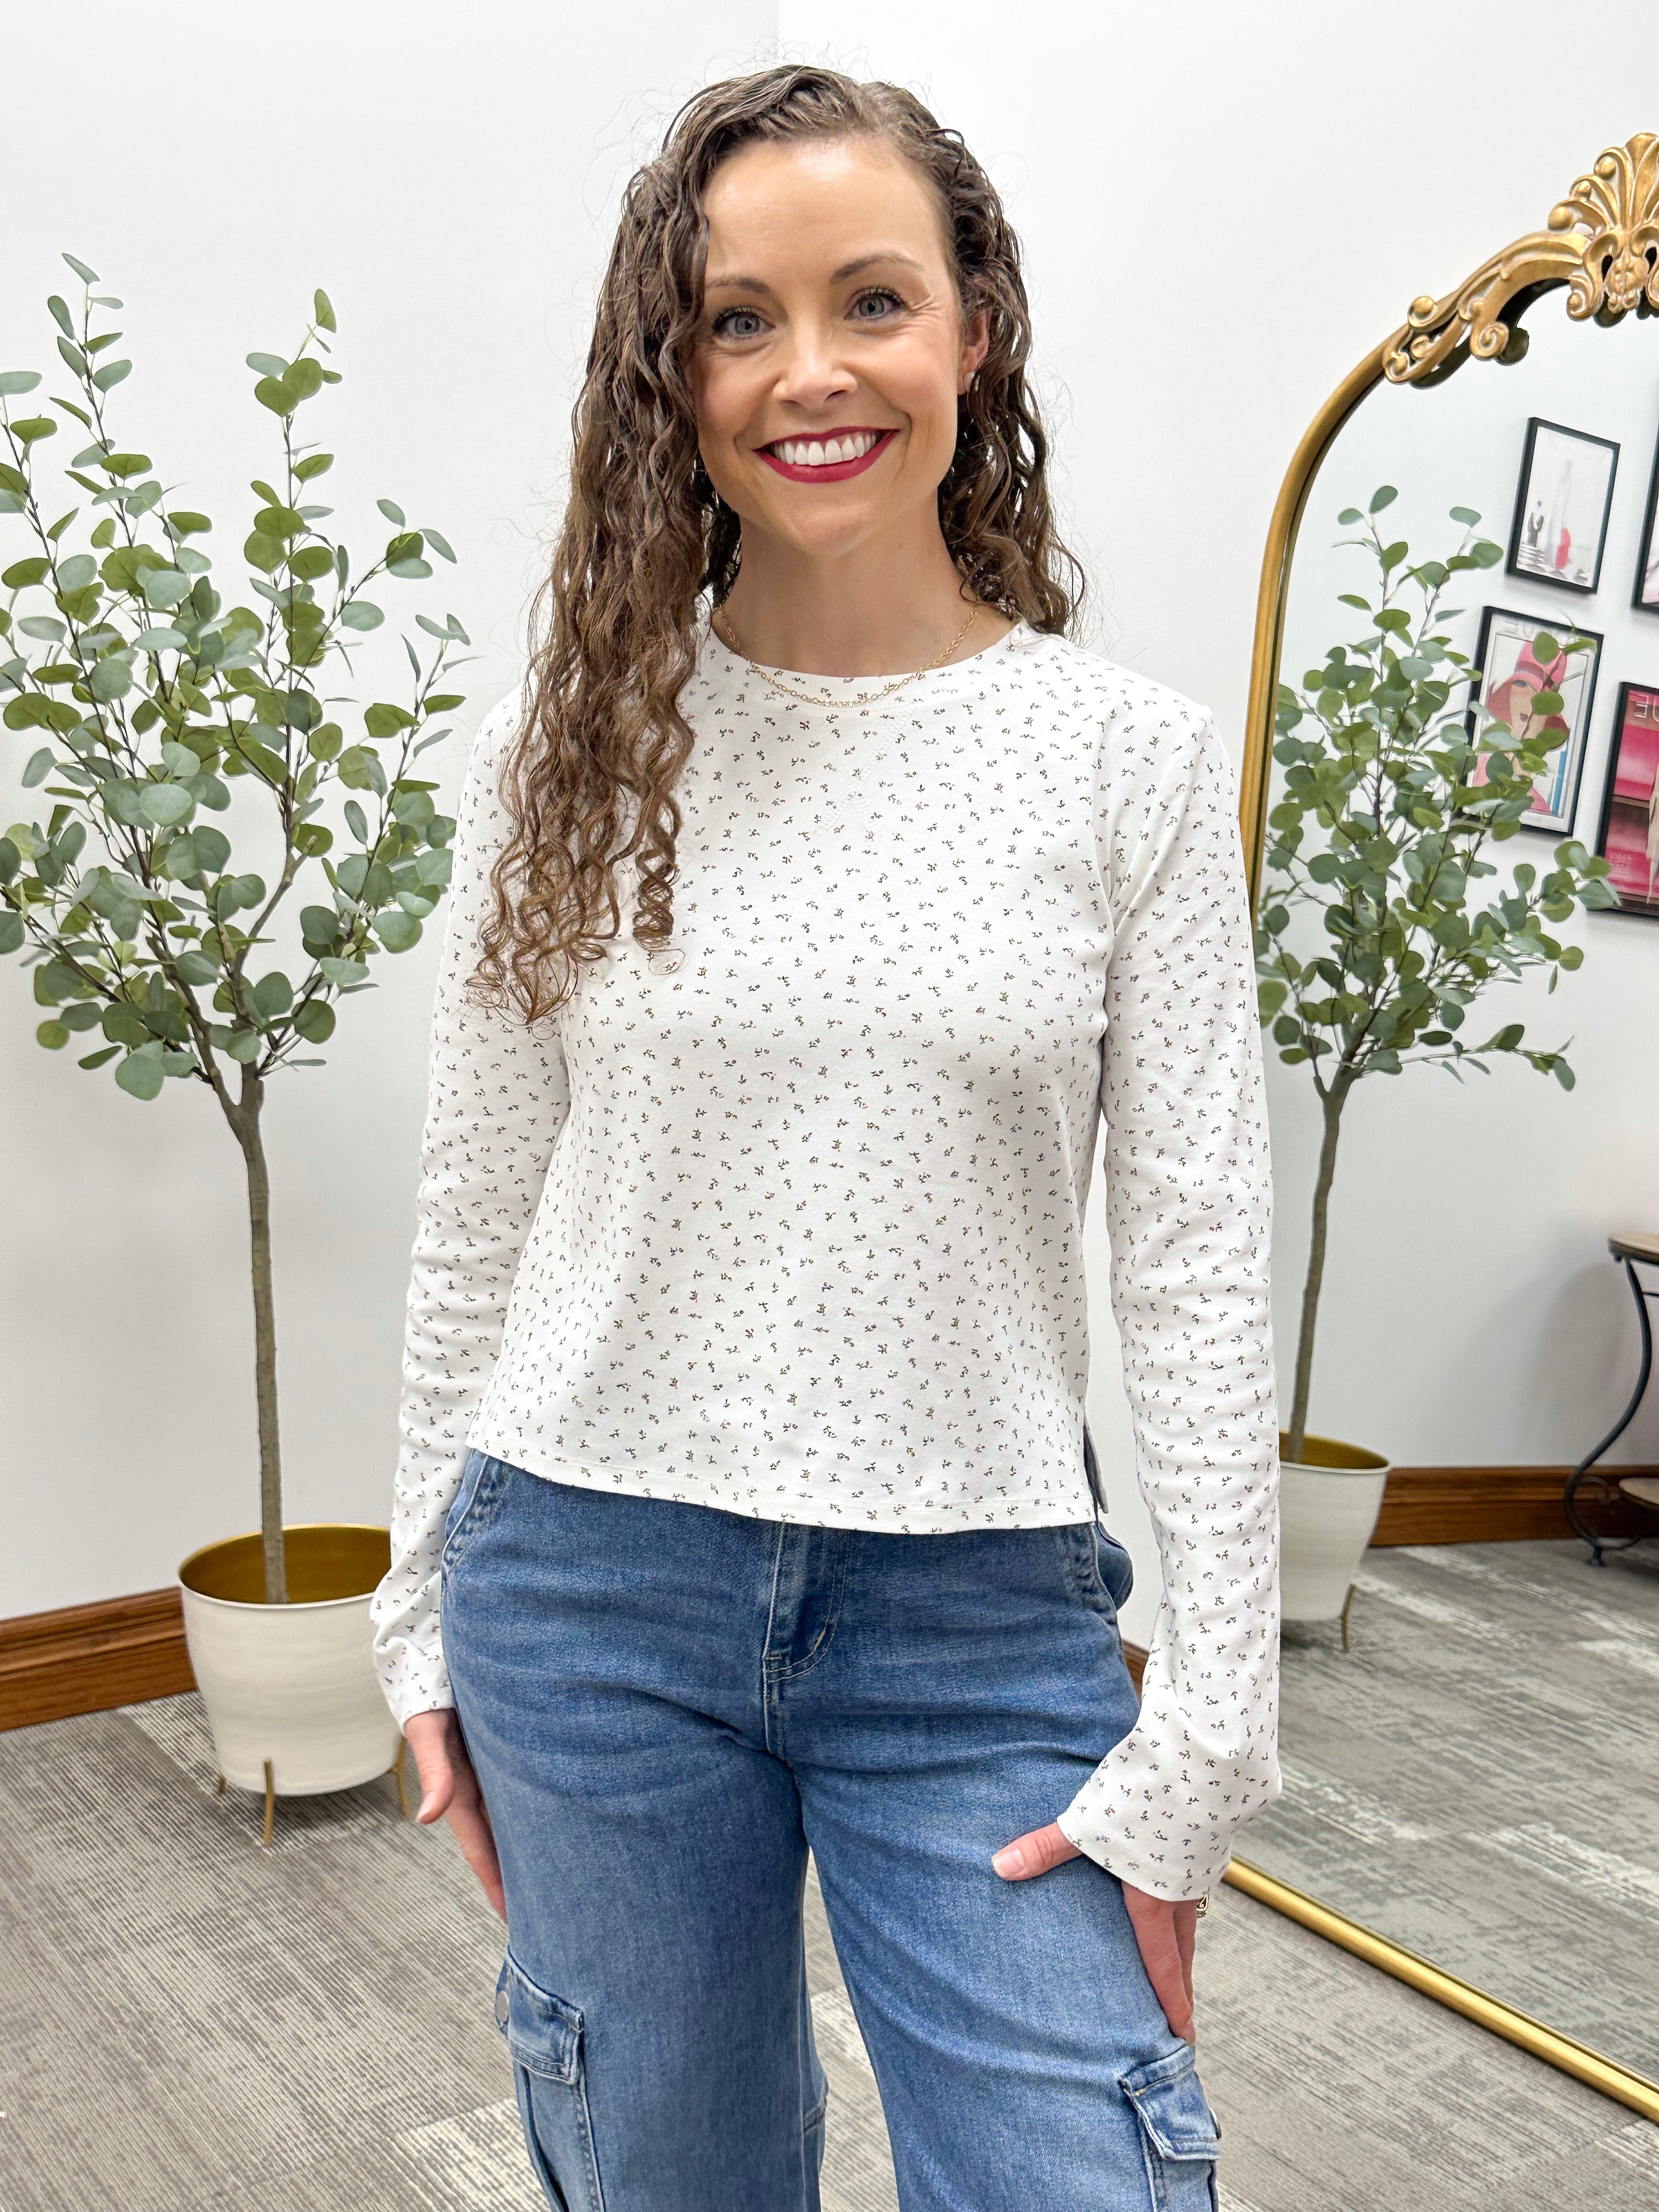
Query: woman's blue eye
{"points": [[722, 324], [883, 300]]}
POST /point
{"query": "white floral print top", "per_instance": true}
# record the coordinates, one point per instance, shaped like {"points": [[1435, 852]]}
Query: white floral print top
{"points": [[788, 1218]]}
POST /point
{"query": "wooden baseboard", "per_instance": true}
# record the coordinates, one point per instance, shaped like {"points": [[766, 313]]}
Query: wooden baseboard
{"points": [[89, 1658], [1475, 1504]]}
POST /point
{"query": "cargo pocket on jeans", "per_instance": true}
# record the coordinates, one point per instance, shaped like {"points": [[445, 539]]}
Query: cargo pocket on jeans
{"points": [[1180, 2139], [544, 2036]]}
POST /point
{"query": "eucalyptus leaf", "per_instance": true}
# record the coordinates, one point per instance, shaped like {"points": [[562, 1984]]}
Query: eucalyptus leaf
{"points": [[273, 994], [397, 931], [141, 1074], [166, 803], [112, 678]]}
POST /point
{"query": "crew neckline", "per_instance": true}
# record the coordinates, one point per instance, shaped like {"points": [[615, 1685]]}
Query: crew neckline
{"points": [[1019, 634]]}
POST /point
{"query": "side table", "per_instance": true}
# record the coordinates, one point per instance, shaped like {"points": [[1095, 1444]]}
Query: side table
{"points": [[1634, 1499]]}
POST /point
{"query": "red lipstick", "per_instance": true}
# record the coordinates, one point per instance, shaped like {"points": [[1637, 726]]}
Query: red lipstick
{"points": [[827, 471]]}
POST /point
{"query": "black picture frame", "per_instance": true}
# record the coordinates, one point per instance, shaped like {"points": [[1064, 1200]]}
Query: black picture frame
{"points": [[1532, 514], [1645, 559], [1559, 823], [1641, 906]]}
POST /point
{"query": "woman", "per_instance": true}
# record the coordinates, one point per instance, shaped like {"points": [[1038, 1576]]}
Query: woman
{"points": [[1511, 703], [744, 1502]]}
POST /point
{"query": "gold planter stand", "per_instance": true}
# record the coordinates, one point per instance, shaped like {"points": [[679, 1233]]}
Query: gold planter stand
{"points": [[290, 1689]]}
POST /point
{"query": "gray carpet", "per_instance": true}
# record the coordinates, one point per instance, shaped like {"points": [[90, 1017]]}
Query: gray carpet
{"points": [[1476, 1776], [189, 2024]]}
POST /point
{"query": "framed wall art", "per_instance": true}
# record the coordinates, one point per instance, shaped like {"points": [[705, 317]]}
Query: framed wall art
{"points": [[1561, 505], [1520, 657], [1628, 836], [1646, 594]]}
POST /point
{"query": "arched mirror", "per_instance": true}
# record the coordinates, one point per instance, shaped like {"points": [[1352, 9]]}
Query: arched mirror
{"points": [[1450, 806]]}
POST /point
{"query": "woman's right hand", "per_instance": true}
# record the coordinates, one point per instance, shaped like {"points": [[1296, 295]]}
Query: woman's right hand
{"points": [[450, 1788]]}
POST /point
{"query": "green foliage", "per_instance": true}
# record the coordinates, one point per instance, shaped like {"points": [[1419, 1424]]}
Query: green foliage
{"points": [[1379, 925], [141, 692]]}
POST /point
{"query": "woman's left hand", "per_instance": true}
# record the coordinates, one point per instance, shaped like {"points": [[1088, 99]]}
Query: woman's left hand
{"points": [[1166, 1933]]}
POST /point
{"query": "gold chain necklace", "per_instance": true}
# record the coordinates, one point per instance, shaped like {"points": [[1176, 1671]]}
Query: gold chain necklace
{"points": [[810, 698]]}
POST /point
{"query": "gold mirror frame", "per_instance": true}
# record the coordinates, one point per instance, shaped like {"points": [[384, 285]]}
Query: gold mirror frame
{"points": [[1601, 242]]}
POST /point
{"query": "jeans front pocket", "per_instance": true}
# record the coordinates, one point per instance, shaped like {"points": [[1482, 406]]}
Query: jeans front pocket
{"points": [[1180, 2137], [1097, 1566], [482, 1485], [543, 2034]]}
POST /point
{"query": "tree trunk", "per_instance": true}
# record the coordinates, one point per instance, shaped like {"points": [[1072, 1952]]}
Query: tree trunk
{"points": [[1335, 1099], [244, 1121]]}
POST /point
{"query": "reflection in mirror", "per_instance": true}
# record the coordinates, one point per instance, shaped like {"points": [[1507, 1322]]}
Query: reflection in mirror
{"points": [[1470, 1730]]}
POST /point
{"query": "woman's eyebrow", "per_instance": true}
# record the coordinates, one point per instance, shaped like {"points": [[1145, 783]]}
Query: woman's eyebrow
{"points": [[741, 283], [868, 260]]}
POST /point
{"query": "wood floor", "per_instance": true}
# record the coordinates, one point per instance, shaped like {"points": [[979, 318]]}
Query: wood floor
{"points": [[1478, 1777], [193, 2025]]}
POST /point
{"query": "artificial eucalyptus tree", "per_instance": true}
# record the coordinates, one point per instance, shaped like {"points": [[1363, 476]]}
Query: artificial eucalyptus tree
{"points": [[1379, 925], [146, 699]]}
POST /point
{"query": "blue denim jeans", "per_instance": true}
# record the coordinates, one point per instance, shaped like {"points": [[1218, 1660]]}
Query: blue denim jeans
{"points": [[667, 1705]]}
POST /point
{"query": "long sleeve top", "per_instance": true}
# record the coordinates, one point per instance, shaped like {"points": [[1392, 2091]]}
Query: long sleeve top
{"points": [[787, 1218]]}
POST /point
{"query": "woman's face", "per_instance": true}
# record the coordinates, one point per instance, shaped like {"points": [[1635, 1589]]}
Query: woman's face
{"points": [[828, 313], [1522, 715]]}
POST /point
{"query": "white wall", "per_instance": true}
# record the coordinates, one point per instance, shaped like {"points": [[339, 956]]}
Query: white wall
{"points": [[1223, 209]]}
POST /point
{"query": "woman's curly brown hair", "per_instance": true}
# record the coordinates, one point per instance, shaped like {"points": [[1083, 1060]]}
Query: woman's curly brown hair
{"points": [[589, 782]]}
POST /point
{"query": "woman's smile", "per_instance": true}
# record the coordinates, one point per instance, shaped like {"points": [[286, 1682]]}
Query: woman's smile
{"points": [[829, 457]]}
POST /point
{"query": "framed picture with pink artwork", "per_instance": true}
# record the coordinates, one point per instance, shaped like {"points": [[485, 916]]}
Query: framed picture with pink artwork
{"points": [[1628, 838], [1561, 506], [1523, 662]]}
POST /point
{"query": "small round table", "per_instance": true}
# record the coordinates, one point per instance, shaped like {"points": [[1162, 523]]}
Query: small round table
{"points": [[1630, 1501]]}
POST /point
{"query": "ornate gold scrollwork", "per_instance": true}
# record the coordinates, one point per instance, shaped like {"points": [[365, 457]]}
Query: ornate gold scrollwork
{"points": [[1602, 242]]}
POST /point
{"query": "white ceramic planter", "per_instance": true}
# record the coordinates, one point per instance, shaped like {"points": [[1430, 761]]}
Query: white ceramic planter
{"points": [[294, 1684], [1328, 1510]]}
